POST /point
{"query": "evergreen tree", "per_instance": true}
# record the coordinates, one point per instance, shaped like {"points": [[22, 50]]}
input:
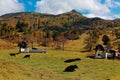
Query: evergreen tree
{"points": [[105, 39]]}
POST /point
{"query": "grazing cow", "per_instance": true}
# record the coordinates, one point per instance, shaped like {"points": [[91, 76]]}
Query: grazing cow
{"points": [[106, 52], [113, 53], [22, 46], [98, 50], [70, 68], [72, 60], [35, 48], [27, 56], [12, 54], [99, 47]]}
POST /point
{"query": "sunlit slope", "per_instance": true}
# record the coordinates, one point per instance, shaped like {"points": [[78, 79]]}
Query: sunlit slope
{"points": [[77, 45]]}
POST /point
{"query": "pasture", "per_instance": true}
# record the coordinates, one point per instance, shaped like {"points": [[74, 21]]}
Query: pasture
{"points": [[50, 66]]}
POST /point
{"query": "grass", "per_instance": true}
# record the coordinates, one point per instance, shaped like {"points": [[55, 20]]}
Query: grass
{"points": [[50, 66]]}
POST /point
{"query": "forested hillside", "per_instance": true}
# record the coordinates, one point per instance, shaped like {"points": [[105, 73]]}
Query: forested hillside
{"points": [[39, 27]]}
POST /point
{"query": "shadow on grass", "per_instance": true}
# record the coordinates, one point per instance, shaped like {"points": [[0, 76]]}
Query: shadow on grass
{"points": [[72, 60], [14, 54], [86, 51]]}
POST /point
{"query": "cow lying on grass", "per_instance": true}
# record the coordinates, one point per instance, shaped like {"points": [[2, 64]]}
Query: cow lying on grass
{"points": [[27, 56]]}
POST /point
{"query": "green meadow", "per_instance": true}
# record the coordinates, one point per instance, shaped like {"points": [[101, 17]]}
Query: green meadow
{"points": [[50, 66]]}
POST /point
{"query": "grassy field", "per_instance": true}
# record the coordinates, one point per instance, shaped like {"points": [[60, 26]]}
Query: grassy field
{"points": [[50, 66]]}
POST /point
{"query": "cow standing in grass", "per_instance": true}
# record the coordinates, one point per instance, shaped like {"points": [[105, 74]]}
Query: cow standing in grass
{"points": [[23, 46], [70, 68], [12, 54]]}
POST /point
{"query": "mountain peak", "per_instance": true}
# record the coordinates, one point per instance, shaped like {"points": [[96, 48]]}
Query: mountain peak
{"points": [[96, 18], [74, 11]]}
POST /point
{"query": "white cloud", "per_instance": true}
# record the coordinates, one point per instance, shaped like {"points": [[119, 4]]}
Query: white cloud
{"points": [[117, 3], [100, 16], [10, 6], [94, 7], [61, 6], [53, 6], [117, 16], [112, 3]]}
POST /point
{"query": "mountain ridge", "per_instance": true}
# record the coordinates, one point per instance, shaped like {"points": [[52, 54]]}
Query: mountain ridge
{"points": [[18, 13], [69, 22]]}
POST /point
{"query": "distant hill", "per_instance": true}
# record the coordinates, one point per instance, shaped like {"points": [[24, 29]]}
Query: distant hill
{"points": [[47, 25], [69, 19]]}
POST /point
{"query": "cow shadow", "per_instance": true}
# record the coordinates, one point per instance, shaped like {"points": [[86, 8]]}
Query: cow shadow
{"points": [[72, 60], [14, 54]]}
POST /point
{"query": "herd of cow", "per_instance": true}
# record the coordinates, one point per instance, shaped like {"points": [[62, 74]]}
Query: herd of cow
{"points": [[105, 53]]}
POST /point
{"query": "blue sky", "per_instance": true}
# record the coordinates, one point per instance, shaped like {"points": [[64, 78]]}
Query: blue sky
{"points": [[106, 9], [29, 5]]}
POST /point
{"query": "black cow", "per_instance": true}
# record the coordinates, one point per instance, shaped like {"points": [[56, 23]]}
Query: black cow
{"points": [[35, 48], [113, 53], [27, 56], [99, 47], [12, 54], [70, 68], [22, 44]]}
